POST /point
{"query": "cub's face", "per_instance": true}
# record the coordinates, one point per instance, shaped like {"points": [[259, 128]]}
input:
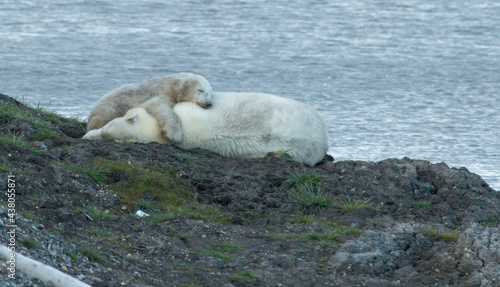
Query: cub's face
{"points": [[196, 89]]}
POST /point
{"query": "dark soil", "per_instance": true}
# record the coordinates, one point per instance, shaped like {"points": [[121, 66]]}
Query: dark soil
{"points": [[219, 221]]}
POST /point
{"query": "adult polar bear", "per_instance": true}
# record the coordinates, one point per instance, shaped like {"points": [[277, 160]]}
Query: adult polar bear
{"points": [[244, 125], [157, 96]]}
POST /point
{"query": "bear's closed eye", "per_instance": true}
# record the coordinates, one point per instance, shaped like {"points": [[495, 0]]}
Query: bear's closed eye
{"points": [[201, 91]]}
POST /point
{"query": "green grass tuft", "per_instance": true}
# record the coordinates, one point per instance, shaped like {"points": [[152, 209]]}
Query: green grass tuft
{"points": [[102, 233], [10, 112], [304, 178], [242, 276], [93, 255], [328, 238], [223, 250], [96, 173], [307, 195], [20, 142], [421, 203], [281, 154], [439, 233], [71, 255], [30, 243], [350, 204], [97, 213]]}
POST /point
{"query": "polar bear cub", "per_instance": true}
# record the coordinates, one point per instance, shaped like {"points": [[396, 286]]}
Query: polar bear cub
{"points": [[157, 96], [244, 125]]}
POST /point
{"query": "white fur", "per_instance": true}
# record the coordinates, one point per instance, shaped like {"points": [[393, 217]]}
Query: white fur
{"points": [[244, 125], [157, 96], [137, 125]]}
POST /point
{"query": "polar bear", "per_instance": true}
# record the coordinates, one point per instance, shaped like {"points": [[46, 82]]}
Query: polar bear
{"points": [[157, 96], [137, 125], [243, 125]]}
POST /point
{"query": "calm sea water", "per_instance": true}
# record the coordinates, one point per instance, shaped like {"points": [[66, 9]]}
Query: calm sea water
{"points": [[412, 78]]}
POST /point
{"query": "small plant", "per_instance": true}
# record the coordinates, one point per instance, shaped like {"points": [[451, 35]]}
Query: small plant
{"points": [[20, 142], [327, 238], [242, 276], [281, 154], [180, 235], [439, 233], [223, 250], [52, 115], [350, 204], [30, 243], [4, 166], [97, 213], [490, 221], [9, 112], [29, 216], [96, 173], [304, 218], [305, 194], [101, 233], [93, 255], [421, 203], [305, 178], [71, 255]]}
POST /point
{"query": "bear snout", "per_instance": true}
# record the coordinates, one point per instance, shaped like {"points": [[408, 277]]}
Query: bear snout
{"points": [[206, 104]]}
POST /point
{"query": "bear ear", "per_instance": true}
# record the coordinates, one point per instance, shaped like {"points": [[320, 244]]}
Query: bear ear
{"points": [[131, 118]]}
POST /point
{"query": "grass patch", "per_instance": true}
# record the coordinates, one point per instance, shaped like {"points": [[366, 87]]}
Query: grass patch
{"points": [[71, 255], [421, 203], [170, 195], [4, 167], [102, 233], [490, 221], [93, 255], [297, 179], [68, 122], [223, 250], [20, 142], [10, 112], [302, 218], [242, 276], [439, 233], [30, 243], [350, 204], [97, 213], [284, 155], [325, 239], [96, 173], [328, 238], [307, 195], [29, 216], [180, 235]]}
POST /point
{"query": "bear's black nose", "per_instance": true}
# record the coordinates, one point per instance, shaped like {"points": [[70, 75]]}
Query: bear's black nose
{"points": [[208, 105]]}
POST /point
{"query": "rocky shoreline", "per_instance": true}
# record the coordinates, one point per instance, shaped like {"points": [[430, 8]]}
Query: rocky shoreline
{"points": [[218, 221]]}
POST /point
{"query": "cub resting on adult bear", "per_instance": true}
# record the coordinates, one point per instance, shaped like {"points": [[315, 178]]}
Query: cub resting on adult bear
{"points": [[158, 97], [243, 125]]}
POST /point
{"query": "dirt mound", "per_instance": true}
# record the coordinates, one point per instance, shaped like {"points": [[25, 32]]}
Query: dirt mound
{"points": [[217, 221]]}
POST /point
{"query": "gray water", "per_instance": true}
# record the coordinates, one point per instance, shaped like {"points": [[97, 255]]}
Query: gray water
{"points": [[413, 78]]}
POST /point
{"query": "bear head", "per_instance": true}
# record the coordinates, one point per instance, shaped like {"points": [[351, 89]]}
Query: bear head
{"points": [[136, 125], [191, 88]]}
